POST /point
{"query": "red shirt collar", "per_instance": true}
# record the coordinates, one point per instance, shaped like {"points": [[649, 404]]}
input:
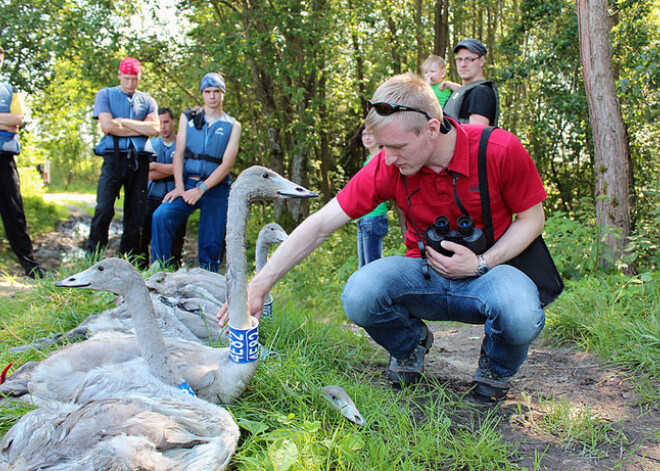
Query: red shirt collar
{"points": [[460, 161]]}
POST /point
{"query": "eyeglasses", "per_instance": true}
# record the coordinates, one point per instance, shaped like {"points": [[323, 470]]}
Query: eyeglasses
{"points": [[384, 108], [467, 60]]}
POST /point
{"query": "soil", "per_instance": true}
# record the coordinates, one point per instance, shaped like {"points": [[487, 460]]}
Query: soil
{"points": [[551, 375], [554, 375]]}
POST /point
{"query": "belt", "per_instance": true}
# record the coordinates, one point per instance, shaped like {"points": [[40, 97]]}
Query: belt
{"points": [[191, 155]]}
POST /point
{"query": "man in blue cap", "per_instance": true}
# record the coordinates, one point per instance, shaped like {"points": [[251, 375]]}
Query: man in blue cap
{"points": [[477, 101], [11, 203], [206, 148]]}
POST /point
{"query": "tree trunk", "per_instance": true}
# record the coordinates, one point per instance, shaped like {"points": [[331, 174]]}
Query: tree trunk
{"points": [[441, 33], [608, 129]]}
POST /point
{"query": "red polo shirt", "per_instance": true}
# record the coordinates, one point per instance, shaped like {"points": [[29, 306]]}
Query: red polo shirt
{"points": [[513, 181]]}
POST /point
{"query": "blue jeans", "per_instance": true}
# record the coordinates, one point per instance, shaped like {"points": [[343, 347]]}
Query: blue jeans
{"points": [[389, 297], [212, 225], [370, 234]]}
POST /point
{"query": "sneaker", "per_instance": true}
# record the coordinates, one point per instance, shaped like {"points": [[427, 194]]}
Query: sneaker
{"points": [[487, 386], [408, 370]]}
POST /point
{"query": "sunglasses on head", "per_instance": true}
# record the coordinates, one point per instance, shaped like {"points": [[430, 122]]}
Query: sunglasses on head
{"points": [[384, 108]]}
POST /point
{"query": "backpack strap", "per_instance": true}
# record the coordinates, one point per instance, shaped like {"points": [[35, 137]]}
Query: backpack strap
{"points": [[489, 230]]}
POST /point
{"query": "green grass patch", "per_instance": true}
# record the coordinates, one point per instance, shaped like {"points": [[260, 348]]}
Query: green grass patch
{"points": [[617, 317], [287, 425]]}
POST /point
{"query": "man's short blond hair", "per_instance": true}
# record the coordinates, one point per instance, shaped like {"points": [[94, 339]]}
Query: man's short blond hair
{"points": [[434, 60], [405, 89]]}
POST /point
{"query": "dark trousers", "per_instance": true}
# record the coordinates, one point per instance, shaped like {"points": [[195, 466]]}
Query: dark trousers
{"points": [[145, 237], [131, 172], [13, 214]]}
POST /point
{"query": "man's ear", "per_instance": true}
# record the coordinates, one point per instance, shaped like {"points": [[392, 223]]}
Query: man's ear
{"points": [[433, 128]]}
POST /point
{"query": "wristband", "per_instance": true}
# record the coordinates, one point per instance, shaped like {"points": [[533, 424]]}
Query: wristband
{"points": [[202, 185]]}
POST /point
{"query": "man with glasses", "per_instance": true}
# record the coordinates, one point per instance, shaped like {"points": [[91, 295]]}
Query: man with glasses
{"points": [[476, 102], [428, 163]]}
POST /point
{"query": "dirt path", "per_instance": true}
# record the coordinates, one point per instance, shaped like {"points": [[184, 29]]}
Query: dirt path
{"points": [[568, 377], [551, 375]]}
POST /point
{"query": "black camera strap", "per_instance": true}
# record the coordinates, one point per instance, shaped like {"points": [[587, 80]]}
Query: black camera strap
{"points": [[489, 230], [535, 261]]}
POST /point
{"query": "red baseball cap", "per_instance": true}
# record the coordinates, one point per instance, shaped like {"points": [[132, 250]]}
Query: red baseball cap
{"points": [[130, 66]]}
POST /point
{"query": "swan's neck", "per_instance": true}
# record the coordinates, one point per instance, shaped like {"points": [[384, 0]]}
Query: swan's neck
{"points": [[237, 296], [262, 254], [150, 337]]}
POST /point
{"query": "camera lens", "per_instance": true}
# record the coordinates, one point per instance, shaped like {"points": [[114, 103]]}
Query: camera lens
{"points": [[465, 225], [441, 224]]}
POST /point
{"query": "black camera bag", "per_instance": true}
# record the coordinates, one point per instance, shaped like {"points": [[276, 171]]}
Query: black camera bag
{"points": [[535, 261]]}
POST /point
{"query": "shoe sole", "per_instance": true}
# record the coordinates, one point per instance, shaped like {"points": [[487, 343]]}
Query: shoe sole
{"points": [[403, 378], [486, 393]]}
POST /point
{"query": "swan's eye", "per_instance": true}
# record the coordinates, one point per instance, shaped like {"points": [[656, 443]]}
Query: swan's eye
{"points": [[101, 268], [265, 175]]}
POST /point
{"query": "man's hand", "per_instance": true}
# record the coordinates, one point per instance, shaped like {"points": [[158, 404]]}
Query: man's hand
{"points": [[192, 196], [12, 129], [449, 84], [255, 303], [463, 264], [172, 195]]}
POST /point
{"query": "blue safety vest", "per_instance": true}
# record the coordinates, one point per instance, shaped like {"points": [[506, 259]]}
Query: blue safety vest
{"points": [[8, 140], [164, 154], [123, 106], [205, 144]]}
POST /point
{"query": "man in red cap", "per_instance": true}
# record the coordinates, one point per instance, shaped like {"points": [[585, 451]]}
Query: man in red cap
{"points": [[128, 118]]}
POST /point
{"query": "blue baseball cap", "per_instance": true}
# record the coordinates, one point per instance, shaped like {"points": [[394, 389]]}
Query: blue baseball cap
{"points": [[213, 80]]}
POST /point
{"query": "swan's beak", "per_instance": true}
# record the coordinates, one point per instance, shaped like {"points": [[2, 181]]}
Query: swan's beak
{"points": [[291, 190], [72, 282]]}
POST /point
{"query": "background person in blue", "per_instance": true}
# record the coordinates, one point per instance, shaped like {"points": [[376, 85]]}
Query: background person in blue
{"points": [[11, 203], [372, 228], [128, 118], [161, 182], [206, 148]]}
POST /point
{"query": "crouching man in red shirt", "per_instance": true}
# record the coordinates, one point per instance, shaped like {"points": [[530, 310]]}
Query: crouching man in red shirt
{"points": [[428, 167]]}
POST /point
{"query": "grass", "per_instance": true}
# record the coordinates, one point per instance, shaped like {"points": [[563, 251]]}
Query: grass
{"points": [[617, 317], [286, 423]]}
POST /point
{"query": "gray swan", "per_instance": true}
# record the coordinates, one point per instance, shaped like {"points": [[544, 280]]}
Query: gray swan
{"points": [[210, 372], [132, 412], [185, 303], [169, 432]]}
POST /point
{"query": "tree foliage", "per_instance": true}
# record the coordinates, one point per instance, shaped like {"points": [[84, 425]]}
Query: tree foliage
{"points": [[298, 72]]}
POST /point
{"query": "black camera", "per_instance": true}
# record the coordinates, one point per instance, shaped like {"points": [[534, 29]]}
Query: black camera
{"points": [[467, 235]]}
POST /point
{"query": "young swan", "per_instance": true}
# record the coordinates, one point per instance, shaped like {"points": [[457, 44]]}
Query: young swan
{"points": [[211, 372]]}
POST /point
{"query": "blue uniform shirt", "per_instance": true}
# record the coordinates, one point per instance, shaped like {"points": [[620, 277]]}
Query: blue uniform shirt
{"points": [[120, 105], [164, 153]]}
